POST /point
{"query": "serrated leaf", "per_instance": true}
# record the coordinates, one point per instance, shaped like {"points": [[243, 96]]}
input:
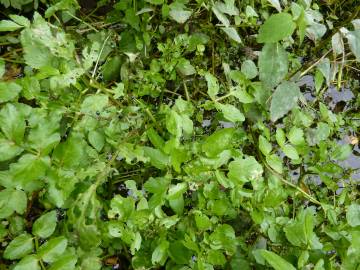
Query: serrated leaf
{"points": [[12, 200], [12, 123], [9, 91], [284, 99], [8, 149], [45, 225], [273, 64], [19, 247], [290, 151], [276, 27]]}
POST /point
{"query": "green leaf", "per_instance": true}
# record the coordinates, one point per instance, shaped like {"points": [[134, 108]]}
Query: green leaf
{"points": [[284, 99], [185, 68], [29, 262], [353, 215], [12, 123], [9, 26], [276, 261], [216, 257], [230, 112], [96, 139], [296, 136], [249, 69], [273, 64], [218, 141], [179, 14], [290, 151], [264, 145], [94, 103], [29, 170], [8, 149], [9, 91], [66, 262], [212, 84], [353, 38], [179, 253], [157, 158], [111, 69], [12, 200], [159, 255], [19, 247], [45, 225], [21, 20], [232, 33], [51, 250], [243, 170], [276, 27]]}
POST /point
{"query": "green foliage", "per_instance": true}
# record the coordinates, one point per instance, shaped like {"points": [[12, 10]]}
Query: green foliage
{"points": [[181, 134]]}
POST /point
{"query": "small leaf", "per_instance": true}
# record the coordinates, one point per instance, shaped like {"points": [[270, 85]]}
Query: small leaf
{"points": [[230, 112], [284, 99], [179, 15], [264, 145], [296, 136], [94, 103], [9, 91], [212, 84], [290, 151], [19, 247], [276, 27], [64, 263], [276, 261], [159, 255], [45, 225], [9, 26], [249, 69], [232, 33], [185, 68], [275, 4], [96, 139], [273, 64]]}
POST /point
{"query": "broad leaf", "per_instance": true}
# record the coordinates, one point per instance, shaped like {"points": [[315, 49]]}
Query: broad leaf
{"points": [[273, 64], [19, 247], [284, 99], [276, 28], [45, 225]]}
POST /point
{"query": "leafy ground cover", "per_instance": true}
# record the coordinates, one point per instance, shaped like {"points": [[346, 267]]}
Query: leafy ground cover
{"points": [[156, 134]]}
